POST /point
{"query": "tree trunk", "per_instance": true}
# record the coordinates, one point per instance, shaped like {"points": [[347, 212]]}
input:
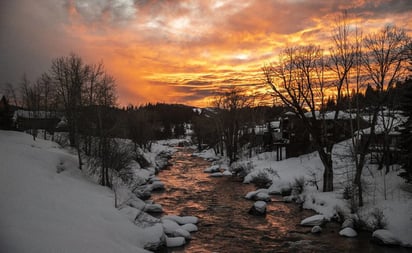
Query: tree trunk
{"points": [[326, 158]]}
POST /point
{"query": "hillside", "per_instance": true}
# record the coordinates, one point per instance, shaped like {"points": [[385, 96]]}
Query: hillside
{"points": [[43, 210]]}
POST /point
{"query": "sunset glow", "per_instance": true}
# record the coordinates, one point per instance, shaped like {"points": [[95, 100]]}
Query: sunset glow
{"points": [[176, 51]]}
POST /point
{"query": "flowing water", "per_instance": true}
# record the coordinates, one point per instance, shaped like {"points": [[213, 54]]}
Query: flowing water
{"points": [[224, 222]]}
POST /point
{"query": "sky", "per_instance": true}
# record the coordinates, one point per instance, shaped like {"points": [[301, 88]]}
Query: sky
{"points": [[175, 51]]}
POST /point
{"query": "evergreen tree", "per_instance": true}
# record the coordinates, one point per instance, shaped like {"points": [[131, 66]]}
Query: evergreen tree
{"points": [[406, 136]]}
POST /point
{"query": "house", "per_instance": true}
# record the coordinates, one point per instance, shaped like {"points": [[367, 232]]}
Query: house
{"points": [[6, 114], [26, 120], [300, 140], [384, 144]]}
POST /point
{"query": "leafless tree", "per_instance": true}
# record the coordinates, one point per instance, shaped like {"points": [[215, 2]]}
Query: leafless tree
{"points": [[298, 80], [384, 63], [70, 75], [229, 118]]}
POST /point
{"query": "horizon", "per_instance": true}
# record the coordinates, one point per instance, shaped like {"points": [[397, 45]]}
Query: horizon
{"points": [[176, 52]]}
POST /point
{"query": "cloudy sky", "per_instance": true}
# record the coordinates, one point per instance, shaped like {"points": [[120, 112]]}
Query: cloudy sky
{"points": [[175, 51]]}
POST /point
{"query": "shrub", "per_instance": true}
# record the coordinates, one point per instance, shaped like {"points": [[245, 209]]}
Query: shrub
{"points": [[378, 219], [298, 185]]}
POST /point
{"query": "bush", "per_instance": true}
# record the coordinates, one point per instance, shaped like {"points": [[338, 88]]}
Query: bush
{"points": [[241, 169], [298, 185], [378, 219], [261, 180]]}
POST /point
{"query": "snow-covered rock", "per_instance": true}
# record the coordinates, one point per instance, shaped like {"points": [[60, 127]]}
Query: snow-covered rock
{"points": [[289, 199], [252, 194], [316, 229], [216, 174], [315, 220], [182, 220], [175, 241], [189, 227], [348, 232], [258, 208], [263, 196], [212, 169], [170, 226], [153, 208], [180, 232], [348, 223], [227, 173], [157, 186], [383, 236]]}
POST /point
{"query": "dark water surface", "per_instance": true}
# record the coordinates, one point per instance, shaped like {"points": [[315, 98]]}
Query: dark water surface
{"points": [[224, 222]]}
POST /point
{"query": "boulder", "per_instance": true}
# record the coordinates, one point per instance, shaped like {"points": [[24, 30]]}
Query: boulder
{"points": [[175, 241], [227, 173], [258, 208], [182, 220], [348, 232], [212, 169], [157, 186], [169, 226], [189, 227], [217, 174], [180, 232], [316, 230], [315, 220], [383, 236], [263, 196], [153, 208], [348, 223]]}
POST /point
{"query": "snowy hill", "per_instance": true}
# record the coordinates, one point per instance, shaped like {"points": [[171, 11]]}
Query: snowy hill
{"points": [[46, 211]]}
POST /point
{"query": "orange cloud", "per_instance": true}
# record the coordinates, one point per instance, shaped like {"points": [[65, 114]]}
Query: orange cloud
{"points": [[183, 51]]}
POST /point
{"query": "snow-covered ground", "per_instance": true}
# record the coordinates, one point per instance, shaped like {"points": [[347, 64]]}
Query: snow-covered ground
{"points": [[48, 205], [384, 194]]}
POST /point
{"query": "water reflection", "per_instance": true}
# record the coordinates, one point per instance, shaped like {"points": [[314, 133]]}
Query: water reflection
{"points": [[226, 226]]}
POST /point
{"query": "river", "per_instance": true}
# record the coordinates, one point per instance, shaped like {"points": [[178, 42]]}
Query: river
{"points": [[226, 226]]}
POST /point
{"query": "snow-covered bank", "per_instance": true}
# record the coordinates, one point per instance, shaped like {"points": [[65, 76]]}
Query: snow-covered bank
{"points": [[46, 211], [384, 196]]}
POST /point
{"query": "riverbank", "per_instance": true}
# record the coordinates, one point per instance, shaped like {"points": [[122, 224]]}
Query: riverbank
{"points": [[387, 206]]}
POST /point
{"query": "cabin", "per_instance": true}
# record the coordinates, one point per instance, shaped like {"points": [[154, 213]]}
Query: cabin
{"points": [[300, 140], [6, 114], [384, 144], [25, 120]]}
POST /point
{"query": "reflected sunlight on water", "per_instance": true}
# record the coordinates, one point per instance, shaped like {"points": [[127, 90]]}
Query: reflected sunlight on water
{"points": [[226, 226]]}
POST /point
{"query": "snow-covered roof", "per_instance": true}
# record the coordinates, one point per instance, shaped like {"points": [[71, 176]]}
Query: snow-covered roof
{"points": [[34, 114], [275, 124], [388, 122], [329, 115]]}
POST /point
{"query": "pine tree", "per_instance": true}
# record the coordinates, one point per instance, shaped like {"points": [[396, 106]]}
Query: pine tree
{"points": [[406, 136]]}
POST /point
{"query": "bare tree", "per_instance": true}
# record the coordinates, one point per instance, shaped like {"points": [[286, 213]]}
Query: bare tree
{"points": [[298, 80], [229, 118], [70, 75], [384, 64]]}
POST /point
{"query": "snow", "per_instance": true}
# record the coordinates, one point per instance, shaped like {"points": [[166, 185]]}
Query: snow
{"points": [[216, 174], [348, 232], [182, 220], [175, 241], [316, 230], [386, 237], [170, 226], [180, 232], [260, 206], [189, 227], [45, 211], [384, 192], [315, 220], [212, 169]]}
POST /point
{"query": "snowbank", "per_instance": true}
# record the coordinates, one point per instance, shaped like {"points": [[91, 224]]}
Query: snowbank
{"points": [[45, 211], [384, 191]]}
